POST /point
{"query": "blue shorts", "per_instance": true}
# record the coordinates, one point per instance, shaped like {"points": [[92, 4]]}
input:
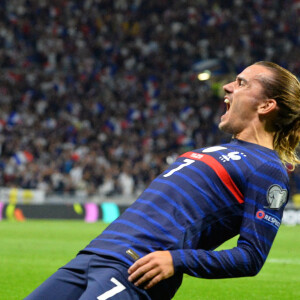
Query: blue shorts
{"points": [[88, 277]]}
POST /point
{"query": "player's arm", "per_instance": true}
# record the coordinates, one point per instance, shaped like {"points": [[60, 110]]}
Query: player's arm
{"points": [[265, 198]]}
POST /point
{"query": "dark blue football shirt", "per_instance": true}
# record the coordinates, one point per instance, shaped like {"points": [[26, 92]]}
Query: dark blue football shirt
{"points": [[204, 198]]}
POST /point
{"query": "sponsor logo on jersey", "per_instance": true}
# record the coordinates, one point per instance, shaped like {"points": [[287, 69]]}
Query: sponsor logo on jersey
{"points": [[260, 214], [213, 149], [267, 218], [276, 196]]}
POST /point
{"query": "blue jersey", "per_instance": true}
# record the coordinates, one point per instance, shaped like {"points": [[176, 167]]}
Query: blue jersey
{"points": [[204, 198]]}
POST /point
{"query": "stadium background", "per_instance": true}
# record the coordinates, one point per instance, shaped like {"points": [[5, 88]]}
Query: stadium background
{"points": [[98, 96]]}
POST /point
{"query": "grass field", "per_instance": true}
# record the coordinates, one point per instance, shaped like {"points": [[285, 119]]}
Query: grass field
{"points": [[31, 251]]}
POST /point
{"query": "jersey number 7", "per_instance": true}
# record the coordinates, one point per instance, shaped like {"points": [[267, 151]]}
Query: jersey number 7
{"points": [[187, 162], [112, 292]]}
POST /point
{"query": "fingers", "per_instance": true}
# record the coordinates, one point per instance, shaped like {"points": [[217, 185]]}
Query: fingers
{"points": [[153, 282], [151, 269], [145, 277], [138, 264], [140, 270]]}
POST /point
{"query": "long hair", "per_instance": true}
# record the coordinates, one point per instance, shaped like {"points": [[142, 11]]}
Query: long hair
{"points": [[284, 87]]}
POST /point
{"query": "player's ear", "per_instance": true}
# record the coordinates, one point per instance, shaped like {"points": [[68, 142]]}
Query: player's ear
{"points": [[268, 106]]}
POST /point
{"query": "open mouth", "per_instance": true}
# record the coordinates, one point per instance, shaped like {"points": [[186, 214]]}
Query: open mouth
{"points": [[227, 102]]}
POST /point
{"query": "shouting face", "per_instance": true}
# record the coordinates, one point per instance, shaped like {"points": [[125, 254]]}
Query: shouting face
{"points": [[243, 98]]}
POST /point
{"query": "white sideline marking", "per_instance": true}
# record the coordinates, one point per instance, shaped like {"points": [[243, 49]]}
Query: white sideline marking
{"points": [[284, 261]]}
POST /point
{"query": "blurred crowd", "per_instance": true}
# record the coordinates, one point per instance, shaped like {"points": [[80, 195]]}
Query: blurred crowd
{"points": [[97, 97]]}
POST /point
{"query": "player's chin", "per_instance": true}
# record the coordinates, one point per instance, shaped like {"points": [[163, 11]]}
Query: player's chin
{"points": [[225, 127], [222, 125]]}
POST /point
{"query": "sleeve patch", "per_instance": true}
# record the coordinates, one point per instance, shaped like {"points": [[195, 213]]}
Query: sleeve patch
{"points": [[276, 196]]}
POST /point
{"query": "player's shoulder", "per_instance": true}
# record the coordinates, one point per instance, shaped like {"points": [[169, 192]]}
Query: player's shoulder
{"points": [[251, 156], [241, 148]]}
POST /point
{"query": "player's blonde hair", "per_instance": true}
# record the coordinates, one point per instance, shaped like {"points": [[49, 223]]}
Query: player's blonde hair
{"points": [[284, 87]]}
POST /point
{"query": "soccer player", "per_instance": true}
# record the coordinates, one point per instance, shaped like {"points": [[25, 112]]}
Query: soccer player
{"points": [[206, 197]]}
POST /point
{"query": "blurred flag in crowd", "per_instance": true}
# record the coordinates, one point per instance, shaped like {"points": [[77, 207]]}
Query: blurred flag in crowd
{"points": [[186, 112], [98, 108], [154, 105], [13, 119], [113, 125], [133, 114], [185, 140], [152, 90], [179, 127], [23, 157]]}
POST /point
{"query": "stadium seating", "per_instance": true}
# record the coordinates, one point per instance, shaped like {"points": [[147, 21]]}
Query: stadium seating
{"points": [[97, 97]]}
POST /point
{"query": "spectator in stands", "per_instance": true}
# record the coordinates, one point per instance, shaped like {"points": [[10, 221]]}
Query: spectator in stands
{"points": [[118, 78]]}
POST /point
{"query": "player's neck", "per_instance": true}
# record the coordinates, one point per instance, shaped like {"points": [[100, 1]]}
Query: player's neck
{"points": [[257, 135]]}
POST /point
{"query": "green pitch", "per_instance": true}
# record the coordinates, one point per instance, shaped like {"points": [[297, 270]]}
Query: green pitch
{"points": [[31, 251]]}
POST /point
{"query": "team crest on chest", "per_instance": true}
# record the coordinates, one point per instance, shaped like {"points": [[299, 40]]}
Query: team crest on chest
{"points": [[235, 155]]}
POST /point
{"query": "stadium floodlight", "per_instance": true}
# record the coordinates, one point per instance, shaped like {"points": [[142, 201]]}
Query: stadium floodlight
{"points": [[216, 68], [205, 75]]}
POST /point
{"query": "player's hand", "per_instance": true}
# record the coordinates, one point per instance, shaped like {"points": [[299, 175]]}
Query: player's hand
{"points": [[151, 269]]}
